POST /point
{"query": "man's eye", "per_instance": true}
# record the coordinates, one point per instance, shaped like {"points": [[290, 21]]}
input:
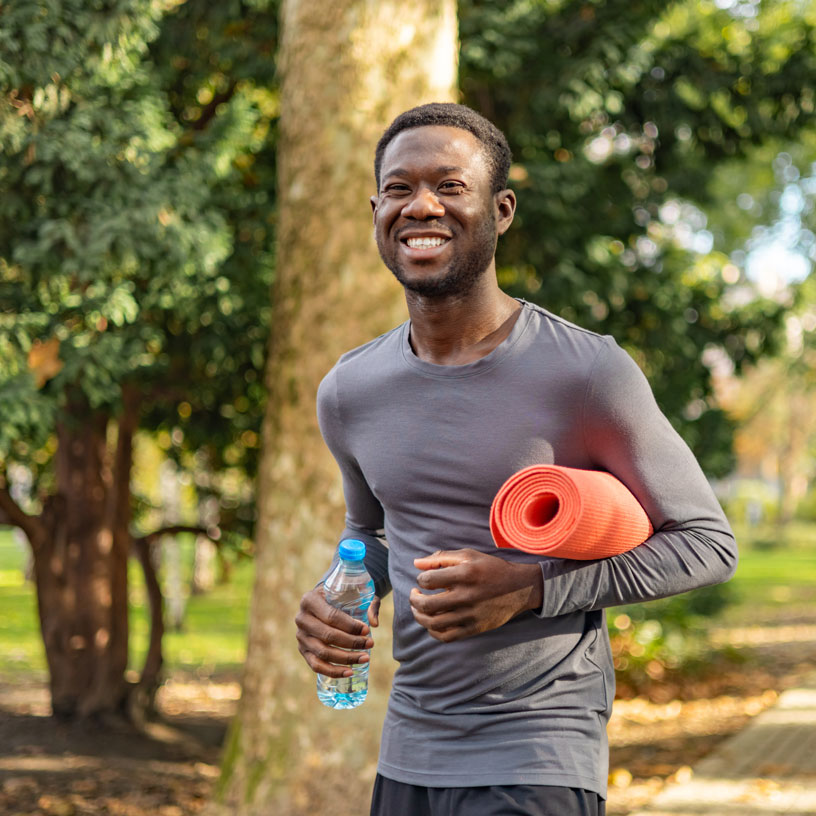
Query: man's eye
{"points": [[397, 188], [451, 187]]}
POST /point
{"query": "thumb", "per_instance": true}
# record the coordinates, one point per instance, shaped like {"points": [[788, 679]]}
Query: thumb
{"points": [[374, 612]]}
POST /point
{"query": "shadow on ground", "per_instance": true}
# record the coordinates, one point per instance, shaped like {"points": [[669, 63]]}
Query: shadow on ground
{"points": [[169, 769]]}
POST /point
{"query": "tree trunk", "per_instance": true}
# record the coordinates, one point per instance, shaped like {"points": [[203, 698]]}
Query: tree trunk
{"points": [[81, 544], [74, 571], [141, 700], [347, 69]]}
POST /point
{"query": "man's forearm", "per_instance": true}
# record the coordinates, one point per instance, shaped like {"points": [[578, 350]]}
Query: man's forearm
{"points": [[670, 563]]}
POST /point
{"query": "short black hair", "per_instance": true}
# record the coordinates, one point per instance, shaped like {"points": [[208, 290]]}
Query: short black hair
{"points": [[458, 116]]}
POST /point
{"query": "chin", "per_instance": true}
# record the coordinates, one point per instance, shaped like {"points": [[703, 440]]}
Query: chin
{"points": [[448, 283]]}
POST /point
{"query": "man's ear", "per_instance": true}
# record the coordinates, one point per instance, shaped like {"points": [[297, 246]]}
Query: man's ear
{"points": [[374, 202], [506, 209]]}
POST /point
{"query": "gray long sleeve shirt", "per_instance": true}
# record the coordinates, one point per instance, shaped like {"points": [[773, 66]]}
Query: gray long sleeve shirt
{"points": [[423, 449]]}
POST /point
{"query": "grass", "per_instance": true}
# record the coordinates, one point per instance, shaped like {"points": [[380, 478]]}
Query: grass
{"points": [[22, 649], [776, 575], [212, 641], [213, 635]]}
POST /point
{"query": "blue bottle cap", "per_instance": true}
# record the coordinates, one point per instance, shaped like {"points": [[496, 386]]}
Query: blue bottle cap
{"points": [[352, 550]]}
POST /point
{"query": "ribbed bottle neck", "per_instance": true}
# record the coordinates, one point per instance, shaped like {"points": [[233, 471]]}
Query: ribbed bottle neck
{"points": [[353, 566]]}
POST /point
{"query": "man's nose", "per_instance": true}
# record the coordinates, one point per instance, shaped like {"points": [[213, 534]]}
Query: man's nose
{"points": [[423, 205]]}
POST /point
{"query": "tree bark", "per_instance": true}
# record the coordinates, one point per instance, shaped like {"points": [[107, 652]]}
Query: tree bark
{"points": [[142, 697], [73, 569], [81, 544], [347, 69]]}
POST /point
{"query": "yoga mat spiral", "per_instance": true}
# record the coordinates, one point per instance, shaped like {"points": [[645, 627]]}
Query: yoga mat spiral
{"points": [[567, 513]]}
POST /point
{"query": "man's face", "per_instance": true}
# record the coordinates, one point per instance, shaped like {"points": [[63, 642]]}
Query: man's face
{"points": [[435, 218]]}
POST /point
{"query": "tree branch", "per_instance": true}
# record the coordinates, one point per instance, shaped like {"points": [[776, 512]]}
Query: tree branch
{"points": [[175, 529], [12, 513], [208, 111]]}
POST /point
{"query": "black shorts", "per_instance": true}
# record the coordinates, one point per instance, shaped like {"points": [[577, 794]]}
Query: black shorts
{"points": [[392, 798]]}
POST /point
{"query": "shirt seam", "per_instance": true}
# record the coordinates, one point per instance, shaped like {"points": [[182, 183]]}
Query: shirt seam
{"points": [[536, 774], [585, 401]]}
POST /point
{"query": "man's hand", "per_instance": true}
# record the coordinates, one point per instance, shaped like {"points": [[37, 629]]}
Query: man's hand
{"points": [[480, 592], [326, 636]]}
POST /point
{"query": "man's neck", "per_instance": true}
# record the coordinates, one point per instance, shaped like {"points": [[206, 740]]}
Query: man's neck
{"points": [[460, 329]]}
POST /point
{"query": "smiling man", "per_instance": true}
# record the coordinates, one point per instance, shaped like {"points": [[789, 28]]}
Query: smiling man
{"points": [[505, 681]]}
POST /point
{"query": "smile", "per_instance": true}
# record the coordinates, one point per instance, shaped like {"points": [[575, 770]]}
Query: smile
{"points": [[425, 243]]}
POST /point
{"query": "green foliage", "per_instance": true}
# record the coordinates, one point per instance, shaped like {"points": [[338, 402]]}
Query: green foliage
{"points": [[137, 198], [623, 127], [806, 511], [776, 576], [752, 500], [651, 637], [136, 220]]}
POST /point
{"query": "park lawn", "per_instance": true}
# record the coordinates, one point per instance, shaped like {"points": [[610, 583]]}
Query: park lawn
{"points": [[212, 641], [776, 576], [771, 578], [20, 645]]}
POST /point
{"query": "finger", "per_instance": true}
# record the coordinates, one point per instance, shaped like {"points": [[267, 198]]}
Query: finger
{"points": [[343, 622], [441, 578], [331, 667], [314, 605], [446, 627], [431, 604], [319, 653], [441, 558], [436, 623], [451, 634], [374, 612], [311, 628]]}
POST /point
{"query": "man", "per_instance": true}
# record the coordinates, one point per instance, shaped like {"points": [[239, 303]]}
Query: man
{"points": [[505, 680]]}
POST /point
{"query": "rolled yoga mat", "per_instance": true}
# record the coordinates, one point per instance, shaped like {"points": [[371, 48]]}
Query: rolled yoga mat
{"points": [[567, 513]]}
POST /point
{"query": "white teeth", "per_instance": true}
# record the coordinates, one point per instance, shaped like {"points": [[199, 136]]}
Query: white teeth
{"points": [[425, 243]]}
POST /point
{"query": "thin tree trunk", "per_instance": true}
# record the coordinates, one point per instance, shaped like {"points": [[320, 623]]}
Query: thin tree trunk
{"points": [[142, 698], [119, 514], [347, 69]]}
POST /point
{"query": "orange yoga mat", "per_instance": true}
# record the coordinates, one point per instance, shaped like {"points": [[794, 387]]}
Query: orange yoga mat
{"points": [[567, 513]]}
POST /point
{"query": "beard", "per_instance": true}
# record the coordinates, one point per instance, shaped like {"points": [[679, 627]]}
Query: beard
{"points": [[460, 275]]}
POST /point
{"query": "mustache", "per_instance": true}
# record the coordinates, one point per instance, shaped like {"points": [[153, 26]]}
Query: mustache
{"points": [[437, 226]]}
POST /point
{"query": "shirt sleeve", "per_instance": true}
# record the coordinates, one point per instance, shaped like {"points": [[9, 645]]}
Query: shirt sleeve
{"points": [[627, 435], [364, 513]]}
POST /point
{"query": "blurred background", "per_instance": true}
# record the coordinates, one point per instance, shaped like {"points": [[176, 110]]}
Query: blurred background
{"points": [[185, 249]]}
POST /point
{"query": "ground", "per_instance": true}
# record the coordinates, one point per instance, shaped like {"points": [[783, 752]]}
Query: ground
{"points": [[661, 736], [78, 770], [171, 769]]}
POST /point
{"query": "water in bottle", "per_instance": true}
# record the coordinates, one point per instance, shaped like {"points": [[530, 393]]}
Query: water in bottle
{"points": [[350, 588]]}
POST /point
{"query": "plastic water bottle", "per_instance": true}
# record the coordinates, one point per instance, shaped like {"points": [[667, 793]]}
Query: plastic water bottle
{"points": [[350, 588]]}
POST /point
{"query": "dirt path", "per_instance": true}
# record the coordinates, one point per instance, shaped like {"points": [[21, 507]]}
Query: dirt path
{"points": [[658, 738], [53, 769]]}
